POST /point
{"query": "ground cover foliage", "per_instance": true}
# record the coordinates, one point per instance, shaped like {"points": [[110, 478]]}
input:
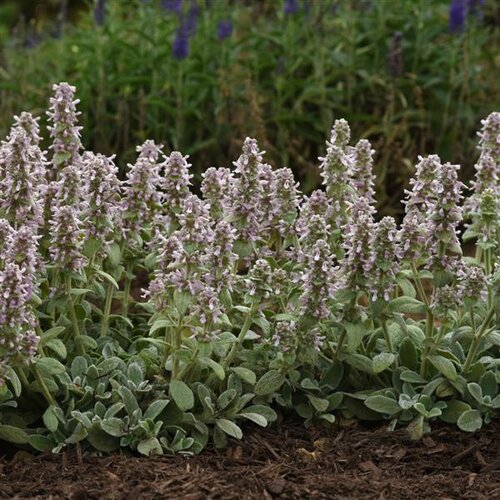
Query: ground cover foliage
{"points": [[412, 77], [255, 302]]}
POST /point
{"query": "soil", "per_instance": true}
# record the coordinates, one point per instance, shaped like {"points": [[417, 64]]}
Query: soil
{"points": [[342, 462]]}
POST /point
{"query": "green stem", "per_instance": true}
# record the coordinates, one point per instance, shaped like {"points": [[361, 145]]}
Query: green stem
{"points": [[43, 387], [126, 291], [237, 345], [74, 320], [387, 336], [340, 344], [107, 310], [429, 332], [471, 355], [418, 284]]}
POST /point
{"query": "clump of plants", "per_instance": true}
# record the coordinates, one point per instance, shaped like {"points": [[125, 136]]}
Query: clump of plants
{"points": [[137, 314]]}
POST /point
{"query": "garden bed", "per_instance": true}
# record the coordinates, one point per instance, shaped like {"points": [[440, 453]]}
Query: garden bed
{"points": [[287, 462]]}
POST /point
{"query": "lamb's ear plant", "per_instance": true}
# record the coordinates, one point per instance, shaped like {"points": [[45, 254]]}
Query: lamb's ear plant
{"points": [[137, 314]]}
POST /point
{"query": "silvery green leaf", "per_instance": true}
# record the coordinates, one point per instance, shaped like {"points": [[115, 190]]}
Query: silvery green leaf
{"points": [[382, 361], [444, 365], [268, 413], [319, 404], [475, 391], [181, 394], [245, 374], [383, 404], [155, 408], [150, 446], [470, 421], [229, 427], [226, 398], [13, 434], [113, 426], [41, 443], [407, 305], [270, 382], [11, 375], [255, 417], [454, 408], [489, 384]]}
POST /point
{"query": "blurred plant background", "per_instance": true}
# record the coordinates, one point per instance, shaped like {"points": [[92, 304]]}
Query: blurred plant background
{"points": [[413, 76]]}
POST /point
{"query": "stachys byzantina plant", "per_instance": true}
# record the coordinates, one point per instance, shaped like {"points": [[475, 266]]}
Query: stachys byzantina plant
{"points": [[136, 313]]}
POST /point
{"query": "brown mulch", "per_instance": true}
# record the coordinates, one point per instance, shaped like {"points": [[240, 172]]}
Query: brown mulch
{"points": [[285, 462]]}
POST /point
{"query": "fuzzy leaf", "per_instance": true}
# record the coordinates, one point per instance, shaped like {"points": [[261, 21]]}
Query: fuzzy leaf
{"points": [[407, 305], [269, 382], [444, 366], [50, 419], [245, 374], [229, 427], [470, 421], [383, 404], [182, 395], [13, 434], [150, 446], [382, 361], [255, 418]]}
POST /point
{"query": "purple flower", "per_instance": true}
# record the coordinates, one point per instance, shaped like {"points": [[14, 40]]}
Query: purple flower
{"points": [[191, 23], [224, 29], [458, 15], [174, 6], [180, 45], [216, 188], [291, 7], [100, 12]]}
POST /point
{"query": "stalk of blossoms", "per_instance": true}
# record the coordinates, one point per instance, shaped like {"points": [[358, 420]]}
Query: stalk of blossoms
{"points": [[383, 268], [64, 129], [494, 287], [247, 192], [284, 205], [103, 197], [317, 204], [66, 247], [362, 175], [176, 182], [319, 282], [29, 124], [140, 210], [19, 196], [335, 169], [216, 187], [18, 323], [445, 251]]}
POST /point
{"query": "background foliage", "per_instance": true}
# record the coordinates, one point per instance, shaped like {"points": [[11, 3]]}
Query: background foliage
{"points": [[406, 74]]}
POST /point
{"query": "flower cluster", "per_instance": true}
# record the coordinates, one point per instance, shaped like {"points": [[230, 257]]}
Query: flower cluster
{"points": [[102, 194], [176, 181], [18, 263], [362, 175], [64, 131], [141, 197], [318, 281], [335, 170], [20, 196], [247, 192], [216, 188]]}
